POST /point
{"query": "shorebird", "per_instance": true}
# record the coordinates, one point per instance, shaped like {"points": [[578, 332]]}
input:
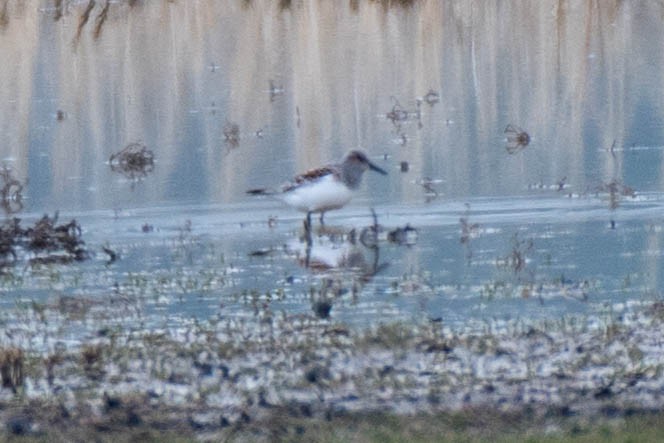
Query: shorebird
{"points": [[324, 189]]}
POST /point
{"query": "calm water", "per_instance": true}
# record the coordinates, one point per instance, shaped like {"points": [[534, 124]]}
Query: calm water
{"points": [[239, 94]]}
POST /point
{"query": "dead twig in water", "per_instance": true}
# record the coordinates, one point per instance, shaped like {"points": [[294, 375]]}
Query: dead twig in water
{"points": [[468, 232], [369, 235], [616, 190], [612, 149], [112, 255], [516, 260], [430, 192], [274, 90]]}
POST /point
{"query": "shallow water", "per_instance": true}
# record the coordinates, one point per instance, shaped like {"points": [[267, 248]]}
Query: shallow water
{"points": [[537, 233]]}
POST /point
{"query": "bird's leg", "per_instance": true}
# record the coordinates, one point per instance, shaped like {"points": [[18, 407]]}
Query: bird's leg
{"points": [[307, 223], [322, 222], [307, 235]]}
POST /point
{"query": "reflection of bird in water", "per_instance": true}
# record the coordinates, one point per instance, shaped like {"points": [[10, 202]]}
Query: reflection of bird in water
{"points": [[517, 139], [326, 188], [344, 265], [323, 254]]}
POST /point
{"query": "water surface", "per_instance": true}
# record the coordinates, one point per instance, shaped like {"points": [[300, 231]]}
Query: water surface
{"points": [[233, 95]]}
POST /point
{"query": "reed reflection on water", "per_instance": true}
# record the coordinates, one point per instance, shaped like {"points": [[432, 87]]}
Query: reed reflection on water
{"points": [[226, 94], [220, 97]]}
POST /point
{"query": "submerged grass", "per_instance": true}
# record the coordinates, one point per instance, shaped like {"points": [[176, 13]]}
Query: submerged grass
{"points": [[466, 426], [475, 426]]}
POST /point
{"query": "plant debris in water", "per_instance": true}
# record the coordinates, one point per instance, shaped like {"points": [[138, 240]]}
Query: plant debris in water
{"points": [[468, 230], [275, 90], [397, 114], [135, 161], [11, 192], [430, 192], [517, 139], [232, 134], [517, 259], [46, 241], [616, 189], [403, 236], [431, 97]]}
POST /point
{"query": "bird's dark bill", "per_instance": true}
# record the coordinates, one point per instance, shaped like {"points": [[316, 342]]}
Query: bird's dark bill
{"points": [[377, 169]]}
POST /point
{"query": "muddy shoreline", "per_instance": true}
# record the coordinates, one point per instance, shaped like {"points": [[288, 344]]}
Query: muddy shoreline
{"points": [[215, 378]]}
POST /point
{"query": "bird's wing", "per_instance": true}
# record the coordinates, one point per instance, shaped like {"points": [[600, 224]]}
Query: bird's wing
{"points": [[310, 176]]}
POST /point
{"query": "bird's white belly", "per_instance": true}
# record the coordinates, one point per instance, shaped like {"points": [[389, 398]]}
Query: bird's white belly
{"points": [[322, 195]]}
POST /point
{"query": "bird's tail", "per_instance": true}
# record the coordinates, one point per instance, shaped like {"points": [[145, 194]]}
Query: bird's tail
{"points": [[260, 191]]}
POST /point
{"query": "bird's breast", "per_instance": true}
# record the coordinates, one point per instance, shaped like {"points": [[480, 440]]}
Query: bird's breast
{"points": [[320, 195]]}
